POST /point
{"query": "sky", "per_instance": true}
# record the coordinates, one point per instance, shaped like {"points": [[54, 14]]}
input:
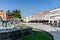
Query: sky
{"points": [[28, 7]]}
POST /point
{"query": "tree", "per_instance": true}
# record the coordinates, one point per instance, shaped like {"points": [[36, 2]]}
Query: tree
{"points": [[1, 10], [16, 13], [8, 12]]}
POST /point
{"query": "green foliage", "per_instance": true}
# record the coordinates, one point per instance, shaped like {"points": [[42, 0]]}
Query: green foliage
{"points": [[8, 12], [1, 10], [15, 13]]}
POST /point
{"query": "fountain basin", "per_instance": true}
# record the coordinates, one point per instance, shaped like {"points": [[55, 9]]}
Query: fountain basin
{"points": [[14, 33], [12, 26]]}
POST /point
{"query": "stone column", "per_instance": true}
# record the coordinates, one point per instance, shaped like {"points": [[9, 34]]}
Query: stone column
{"points": [[52, 22], [49, 22], [57, 22]]}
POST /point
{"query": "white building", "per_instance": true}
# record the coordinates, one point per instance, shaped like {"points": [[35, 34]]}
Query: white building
{"points": [[53, 16], [50, 16], [36, 17]]}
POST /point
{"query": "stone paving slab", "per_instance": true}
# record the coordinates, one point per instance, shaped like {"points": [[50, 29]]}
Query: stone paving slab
{"points": [[55, 31]]}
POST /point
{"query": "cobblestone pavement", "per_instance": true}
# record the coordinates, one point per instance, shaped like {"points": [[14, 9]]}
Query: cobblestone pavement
{"points": [[55, 31]]}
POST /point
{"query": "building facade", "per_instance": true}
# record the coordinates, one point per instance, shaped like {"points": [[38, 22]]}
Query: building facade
{"points": [[5, 16], [38, 17], [53, 16], [48, 16]]}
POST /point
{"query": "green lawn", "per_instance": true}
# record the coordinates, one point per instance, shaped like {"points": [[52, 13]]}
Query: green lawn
{"points": [[37, 35]]}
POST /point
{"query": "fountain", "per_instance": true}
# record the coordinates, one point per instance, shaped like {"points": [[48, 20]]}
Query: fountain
{"points": [[6, 23], [8, 31]]}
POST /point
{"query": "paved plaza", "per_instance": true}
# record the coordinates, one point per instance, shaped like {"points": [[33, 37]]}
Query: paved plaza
{"points": [[55, 31]]}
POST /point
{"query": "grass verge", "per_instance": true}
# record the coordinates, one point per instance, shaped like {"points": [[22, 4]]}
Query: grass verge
{"points": [[37, 35]]}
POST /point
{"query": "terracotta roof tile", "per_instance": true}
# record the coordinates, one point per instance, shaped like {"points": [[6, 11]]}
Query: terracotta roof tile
{"points": [[41, 13]]}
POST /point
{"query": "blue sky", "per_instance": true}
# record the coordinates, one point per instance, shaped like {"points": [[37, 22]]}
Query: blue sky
{"points": [[28, 7]]}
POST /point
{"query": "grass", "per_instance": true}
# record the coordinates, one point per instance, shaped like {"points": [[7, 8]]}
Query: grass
{"points": [[37, 35]]}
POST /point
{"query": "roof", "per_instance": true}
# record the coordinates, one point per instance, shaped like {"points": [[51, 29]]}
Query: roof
{"points": [[41, 13]]}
